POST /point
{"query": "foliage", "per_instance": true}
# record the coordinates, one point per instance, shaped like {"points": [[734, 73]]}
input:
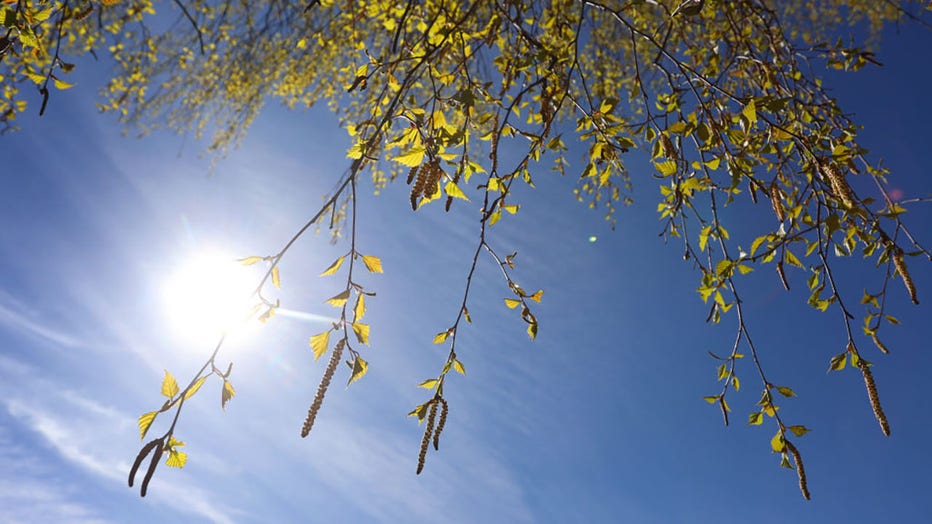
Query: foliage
{"points": [[467, 99]]}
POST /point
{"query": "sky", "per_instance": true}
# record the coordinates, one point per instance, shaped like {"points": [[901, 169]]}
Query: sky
{"points": [[601, 419]]}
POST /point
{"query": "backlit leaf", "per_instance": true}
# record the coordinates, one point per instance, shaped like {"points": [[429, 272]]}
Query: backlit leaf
{"points": [[196, 386], [276, 279], [838, 362], [430, 383], [319, 344], [454, 191], [169, 386], [756, 418], [360, 367], [176, 459], [362, 332], [440, 337], [412, 158], [145, 420], [373, 264], [799, 430], [338, 300], [777, 443], [785, 391], [227, 393], [360, 309], [537, 296], [458, 366], [512, 303], [248, 261], [333, 267], [61, 84]]}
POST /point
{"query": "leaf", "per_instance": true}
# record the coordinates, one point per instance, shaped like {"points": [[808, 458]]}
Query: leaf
{"points": [[430, 383], [169, 386], [466, 315], [227, 393], [440, 337], [778, 443], [276, 279], [786, 392], [711, 400], [458, 366], [454, 191], [512, 303], [360, 367], [196, 386], [537, 296], [750, 112], [420, 412], [145, 420], [333, 267], [412, 158], [666, 168], [176, 459], [338, 300], [838, 362], [755, 419], [360, 309], [373, 264], [319, 344], [799, 430], [61, 84], [362, 332], [532, 330], [248, 261]]}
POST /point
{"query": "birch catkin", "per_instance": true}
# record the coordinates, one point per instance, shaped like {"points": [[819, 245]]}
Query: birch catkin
{"points": [[322, 388], [839, 185], [900, 265], [776, 202], [428, 430], [874, 397], [800, 470]]}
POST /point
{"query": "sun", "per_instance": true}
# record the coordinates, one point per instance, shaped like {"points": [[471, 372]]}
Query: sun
{"points": [[210, 295]]}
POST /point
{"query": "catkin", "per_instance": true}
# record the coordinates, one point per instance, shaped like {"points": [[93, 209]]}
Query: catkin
{"points": [[419, 183], [783, 280], [874, 398], [900, 265], [139, 458], [666, 145], [322, 388], [777, 202], [156, 455], [428, 430], [443, 420], [839, 185], [800, 470]]}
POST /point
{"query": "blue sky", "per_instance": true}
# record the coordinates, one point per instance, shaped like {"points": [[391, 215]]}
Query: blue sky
{"points": [[600, 420]]}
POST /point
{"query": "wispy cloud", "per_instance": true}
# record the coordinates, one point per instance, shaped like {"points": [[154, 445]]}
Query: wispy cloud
{"points": [[13, 315]]}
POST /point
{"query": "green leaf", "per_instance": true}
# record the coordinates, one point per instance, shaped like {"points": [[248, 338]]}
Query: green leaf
{"points": [[169, 386], [176, 459], [430, 383], [440, 337], [196, 386], [799, 430], [362, 332], [786, 392], [454, 191], [145, 420], [319, 344], [458, 366], [756, 418], [61, 84], [750, 112], [333, 267], [666, 168], [338, 300], [373, 264], [227, 393], [711, 400], [360, 367], [420, 412], [778, 443]]}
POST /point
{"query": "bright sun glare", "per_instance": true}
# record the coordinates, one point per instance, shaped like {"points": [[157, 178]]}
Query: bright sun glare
{"points": [[208, 295]]}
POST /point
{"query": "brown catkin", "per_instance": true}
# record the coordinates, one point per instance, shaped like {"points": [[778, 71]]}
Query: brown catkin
{"points": [[666, 145], [440, 423], [81, 15], [419, 183], [433, 178], [878, 343], [411, 174], [156, 455], [428, 430], [140, 457], [776, 201], [800, 470], [782, 274], [900, 265], [874, 398], [322, 387], [839, 185]]}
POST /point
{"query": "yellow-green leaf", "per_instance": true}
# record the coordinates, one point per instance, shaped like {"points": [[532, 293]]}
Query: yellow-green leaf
{"points": [[458, 366], [537, 296], [333, 267], [145, 420], [373, 264], [666, 168], [777, 443], [248, 261], [338, 300], [360, 309], [196, 386], [420, 412], [532, 330], [412, 158], [227, 394], [360, 367], [440, 337], [362, 332], [169, 386], [756, 418], [176, 459], [512, 303], [430, 383], [319, 344], [61, 84], [799, 430], [276, 279], [750, 112], [454, 191]]}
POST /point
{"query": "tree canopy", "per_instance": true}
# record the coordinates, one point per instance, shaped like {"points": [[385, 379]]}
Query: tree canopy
{"points": [[721, 104]]}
